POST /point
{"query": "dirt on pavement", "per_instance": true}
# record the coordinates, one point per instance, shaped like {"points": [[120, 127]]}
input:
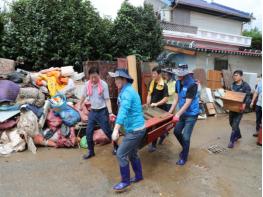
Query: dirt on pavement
{"points": [[62, 172]]}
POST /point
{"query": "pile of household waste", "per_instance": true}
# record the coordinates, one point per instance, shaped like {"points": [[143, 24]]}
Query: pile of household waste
{"points": [[41, 109]]}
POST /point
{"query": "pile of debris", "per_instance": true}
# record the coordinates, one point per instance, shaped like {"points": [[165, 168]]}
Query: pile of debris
{"points": [[39, 108]]}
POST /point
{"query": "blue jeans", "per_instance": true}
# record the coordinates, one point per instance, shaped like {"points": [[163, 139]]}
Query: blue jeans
{"points": [[129, 147], [183, 131], [100, 117], [234, 121]]}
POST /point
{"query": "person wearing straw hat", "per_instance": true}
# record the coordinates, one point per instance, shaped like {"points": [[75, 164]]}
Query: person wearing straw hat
{"points": [[130, 118], [188, 101]]}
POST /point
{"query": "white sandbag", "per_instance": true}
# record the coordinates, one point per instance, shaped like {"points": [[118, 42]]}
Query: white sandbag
{"points": [[78, 76], [67, 71], [14, 144]]}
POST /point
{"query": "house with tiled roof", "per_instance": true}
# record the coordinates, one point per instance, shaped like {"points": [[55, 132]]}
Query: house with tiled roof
{"points": [[206, 34]]}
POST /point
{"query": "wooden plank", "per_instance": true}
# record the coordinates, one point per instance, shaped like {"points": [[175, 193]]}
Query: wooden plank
{"points": [[214, 84], [179, 50], [200, 74], [132, 68], [210, 109], [227, 78], [214, 75]]}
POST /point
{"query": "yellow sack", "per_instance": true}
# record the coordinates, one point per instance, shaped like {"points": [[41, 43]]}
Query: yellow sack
{"points": [[53, 86]]}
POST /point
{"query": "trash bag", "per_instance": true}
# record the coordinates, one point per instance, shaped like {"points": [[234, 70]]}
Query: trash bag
{"points": [[99, 137], [83, 142], [16, 77], [31, 96], [69, 116], [9, 90], [58, 102], [53, 121], [28, 124], [85, 111]]}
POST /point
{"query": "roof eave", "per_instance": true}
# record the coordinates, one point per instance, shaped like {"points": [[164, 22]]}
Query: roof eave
{"points": [[215, 13]]}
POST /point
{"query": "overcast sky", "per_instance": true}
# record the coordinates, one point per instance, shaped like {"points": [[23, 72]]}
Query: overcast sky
{"points": [[111, 7]]}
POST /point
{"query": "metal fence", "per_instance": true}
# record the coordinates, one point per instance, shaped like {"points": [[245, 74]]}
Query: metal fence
{"points": [[179, 28]]}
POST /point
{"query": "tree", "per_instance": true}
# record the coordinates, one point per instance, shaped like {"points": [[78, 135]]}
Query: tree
{"points": [[256, 38], [47, 32], [136, 30]]}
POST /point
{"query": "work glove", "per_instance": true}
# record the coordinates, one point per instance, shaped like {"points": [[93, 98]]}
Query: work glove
{"points": [[154, 105], [115, 135], [112, 118], [176, 119]]}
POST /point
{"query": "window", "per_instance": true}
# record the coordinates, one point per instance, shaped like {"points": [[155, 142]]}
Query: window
{"points": [[221, 64]]}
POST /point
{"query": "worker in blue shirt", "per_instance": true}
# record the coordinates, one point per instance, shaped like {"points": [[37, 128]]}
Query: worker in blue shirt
{"points": [[188, 100], [130, 118]]}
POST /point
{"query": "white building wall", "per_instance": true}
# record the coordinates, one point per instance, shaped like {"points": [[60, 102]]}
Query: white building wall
{"points": [[207, 62], [214, 23], [245, 63]]}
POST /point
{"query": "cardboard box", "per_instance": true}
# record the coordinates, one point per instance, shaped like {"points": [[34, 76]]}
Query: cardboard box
{"points": [[233, 101]]}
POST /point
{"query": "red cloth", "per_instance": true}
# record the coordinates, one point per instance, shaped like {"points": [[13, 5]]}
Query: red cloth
{"points": [[53, 121], [8, 124], [85, 111], [99, 137], [66, 142]]}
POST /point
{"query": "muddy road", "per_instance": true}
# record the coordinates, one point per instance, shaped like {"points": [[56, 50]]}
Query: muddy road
{"points": [[63, 173]]}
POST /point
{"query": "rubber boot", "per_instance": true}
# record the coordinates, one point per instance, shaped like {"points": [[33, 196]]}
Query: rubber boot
{"points": [[232, 140], [137, 168], [91, 152], [152, 147], [182, 157], [125, 179]]}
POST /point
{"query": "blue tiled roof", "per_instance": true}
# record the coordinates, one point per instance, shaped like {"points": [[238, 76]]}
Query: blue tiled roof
{"points": [[214, 7]]}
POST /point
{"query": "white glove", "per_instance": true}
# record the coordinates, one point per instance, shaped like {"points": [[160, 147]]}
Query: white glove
{"points": [[115, 135]]}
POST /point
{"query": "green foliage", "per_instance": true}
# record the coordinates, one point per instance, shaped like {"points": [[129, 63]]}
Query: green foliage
{"points": [[2, 23], [50, 30], [46, 33], [136, 30], [256, 38]]}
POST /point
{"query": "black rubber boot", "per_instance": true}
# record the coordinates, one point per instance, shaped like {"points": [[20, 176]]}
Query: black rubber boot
{"points": [[91, 152]]}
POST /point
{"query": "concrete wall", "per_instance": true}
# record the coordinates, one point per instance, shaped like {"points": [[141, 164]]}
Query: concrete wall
{"points": [[214, 23], [245, 63]]}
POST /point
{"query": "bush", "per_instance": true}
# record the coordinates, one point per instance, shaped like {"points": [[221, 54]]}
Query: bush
{"points": [[47, 32]]}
